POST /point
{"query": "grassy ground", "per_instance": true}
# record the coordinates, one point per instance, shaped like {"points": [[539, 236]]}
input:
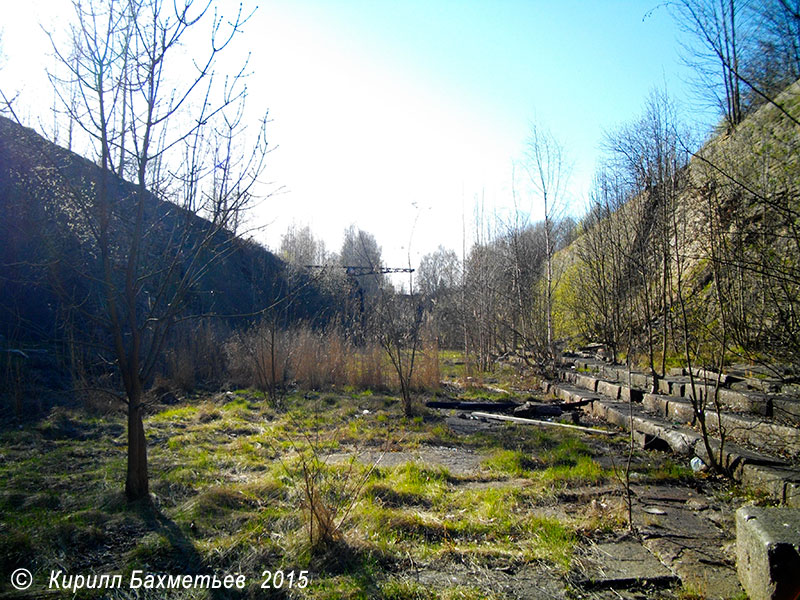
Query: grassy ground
{"points": [[242, 487]]}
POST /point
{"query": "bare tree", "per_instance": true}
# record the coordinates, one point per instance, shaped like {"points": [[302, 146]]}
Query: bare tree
{"points": [[599, 302], [750, 51], [6, 102], [361, 249], [774, 61], [439, 279], [717, 24], [479, 299], [398, 322], [438, 271], [300, 247], [547, 171], [166, 122]]}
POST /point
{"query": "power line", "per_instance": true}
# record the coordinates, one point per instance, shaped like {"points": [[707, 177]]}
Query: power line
{"points": [[358, 270]]}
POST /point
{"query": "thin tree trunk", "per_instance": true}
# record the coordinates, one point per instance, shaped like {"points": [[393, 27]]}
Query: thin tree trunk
{"points": [[136, 484]]}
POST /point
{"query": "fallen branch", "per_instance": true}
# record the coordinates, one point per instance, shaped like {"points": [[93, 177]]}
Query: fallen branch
{"points": [[537, 422], [472, 405]]}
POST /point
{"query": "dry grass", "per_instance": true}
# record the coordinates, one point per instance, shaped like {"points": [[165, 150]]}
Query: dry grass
{"points": [[196, 356], [316, 360], [427, 374], [240, 487]]}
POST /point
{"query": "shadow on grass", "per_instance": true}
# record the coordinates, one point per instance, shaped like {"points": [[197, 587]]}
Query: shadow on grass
{"points": [[180, 557]]}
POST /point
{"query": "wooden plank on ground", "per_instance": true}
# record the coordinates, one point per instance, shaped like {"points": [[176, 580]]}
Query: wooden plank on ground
{"points": [[544, 423]]}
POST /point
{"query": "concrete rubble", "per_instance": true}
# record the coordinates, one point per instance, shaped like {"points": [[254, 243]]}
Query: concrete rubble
{"points": [[768, 552], [760, 420]]}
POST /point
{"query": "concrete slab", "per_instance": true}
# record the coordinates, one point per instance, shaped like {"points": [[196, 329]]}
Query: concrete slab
{"points": [[623, 564], [630, 394], [587, 382], [641, 381], [712, 578], [656, 403], [689, 534], [786, 409], [608, 389], [768, 552]]}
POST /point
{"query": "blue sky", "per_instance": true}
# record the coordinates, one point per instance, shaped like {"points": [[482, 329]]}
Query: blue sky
{"points": [[398, 115]]}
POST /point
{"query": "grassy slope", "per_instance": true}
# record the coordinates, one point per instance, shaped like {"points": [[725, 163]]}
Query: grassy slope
{"points": [[761, 155]]}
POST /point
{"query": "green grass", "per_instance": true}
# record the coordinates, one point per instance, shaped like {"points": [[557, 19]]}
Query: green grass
{"points": [[514, 463], [227, 477], [668, 471]]}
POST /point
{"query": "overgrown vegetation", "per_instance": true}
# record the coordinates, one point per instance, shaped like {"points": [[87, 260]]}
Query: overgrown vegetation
{"points": [[340, 485], [280, 396]]}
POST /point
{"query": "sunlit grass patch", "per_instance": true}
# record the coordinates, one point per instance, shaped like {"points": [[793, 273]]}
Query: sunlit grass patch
{"points": [[549, 540], [566, 453], [341, 587], [514, 463], [239, 406], [194, 466], [389, 496], [397, 589], [389, 527], [667, 470], [488, 504], [407, 589], [582, 470], [181, 413], [481, 393], [512, 436]]}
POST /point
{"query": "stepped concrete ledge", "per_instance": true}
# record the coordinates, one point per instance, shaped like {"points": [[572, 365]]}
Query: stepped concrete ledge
{"points": [[737, 392], [768, 552], [746, 417], [748, 428], [784, 409], [769, 474]]}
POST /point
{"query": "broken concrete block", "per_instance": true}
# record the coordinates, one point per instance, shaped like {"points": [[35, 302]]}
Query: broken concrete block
{"points": [[608, 389], [656, 404], [787, 409], [681, 442], [630, 395], [768, 552], [617, 416], [765, 478], [586, 382], [745, 401], [677, 388], [641, 381], [647, 441], [681, 411]]}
